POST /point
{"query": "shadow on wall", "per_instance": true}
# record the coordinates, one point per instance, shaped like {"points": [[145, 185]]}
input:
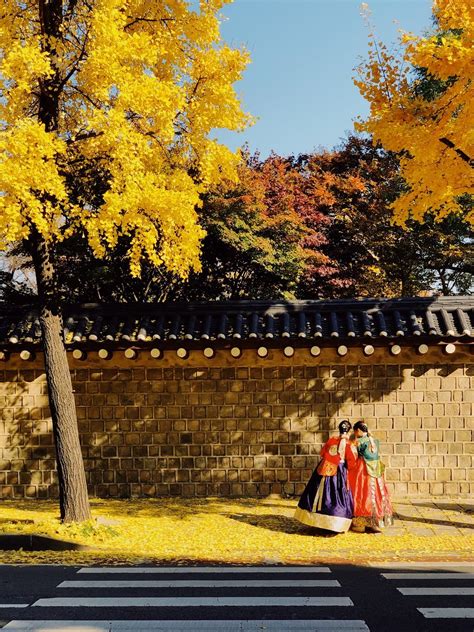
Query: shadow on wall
{"points": [[202, 431], [269, 425], [27, 454], [222, 431]]}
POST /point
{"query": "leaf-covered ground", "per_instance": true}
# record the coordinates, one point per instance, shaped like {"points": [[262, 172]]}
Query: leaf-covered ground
{"points": [[216, 530]]}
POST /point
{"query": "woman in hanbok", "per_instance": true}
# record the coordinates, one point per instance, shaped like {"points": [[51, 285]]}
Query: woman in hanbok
{"points": [[372, 506], [326, 502]]}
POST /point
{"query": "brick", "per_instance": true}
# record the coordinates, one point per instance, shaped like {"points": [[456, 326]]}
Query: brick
{"points": [[443, 474], [400, 489]]}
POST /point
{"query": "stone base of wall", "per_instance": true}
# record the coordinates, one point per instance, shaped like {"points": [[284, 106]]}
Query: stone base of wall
{"points": [[241, 427]]}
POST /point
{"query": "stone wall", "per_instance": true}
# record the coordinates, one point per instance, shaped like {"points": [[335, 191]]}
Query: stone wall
{"points": [[243, 427]]}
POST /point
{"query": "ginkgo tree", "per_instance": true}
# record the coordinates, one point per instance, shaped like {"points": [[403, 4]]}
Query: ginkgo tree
{"points": [[431, 129], [128, 91]]}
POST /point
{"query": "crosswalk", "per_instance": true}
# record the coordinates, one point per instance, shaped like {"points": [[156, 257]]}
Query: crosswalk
{"points": [[409, 597], [434, 580], [224, 599]]}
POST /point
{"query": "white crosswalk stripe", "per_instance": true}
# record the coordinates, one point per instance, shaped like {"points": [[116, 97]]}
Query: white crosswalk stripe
{"points": [[202, 569], [433, 576], [436, 591], [188, 602], [412, 566], [201, 583], [447, 613], [294, 625], [223, 588], [439, 572]]}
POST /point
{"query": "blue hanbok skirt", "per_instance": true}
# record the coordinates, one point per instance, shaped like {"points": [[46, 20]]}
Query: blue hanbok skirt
{"points": [[326, 502]]}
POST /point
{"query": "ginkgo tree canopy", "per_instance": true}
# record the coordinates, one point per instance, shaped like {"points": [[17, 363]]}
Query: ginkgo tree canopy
{"points": [[138, 86], [432, 133]]}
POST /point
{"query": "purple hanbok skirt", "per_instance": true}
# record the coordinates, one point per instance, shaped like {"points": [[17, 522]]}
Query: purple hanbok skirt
{"points": [[326, 502]]}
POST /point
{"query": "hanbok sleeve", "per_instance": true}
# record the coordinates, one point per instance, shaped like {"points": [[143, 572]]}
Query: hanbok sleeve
{"points": [[362, 447], [324, 450]]}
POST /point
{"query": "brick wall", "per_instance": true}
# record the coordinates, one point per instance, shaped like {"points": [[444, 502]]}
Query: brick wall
{"points": [[246, 426]]}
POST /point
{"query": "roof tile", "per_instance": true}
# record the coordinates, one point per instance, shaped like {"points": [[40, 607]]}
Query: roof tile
{"points": [[277, 323]]}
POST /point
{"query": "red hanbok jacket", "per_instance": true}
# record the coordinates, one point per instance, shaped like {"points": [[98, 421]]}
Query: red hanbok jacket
{"points": [[330, 457]]}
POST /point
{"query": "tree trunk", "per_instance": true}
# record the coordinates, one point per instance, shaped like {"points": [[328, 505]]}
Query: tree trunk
{"points": [[73, 498]]}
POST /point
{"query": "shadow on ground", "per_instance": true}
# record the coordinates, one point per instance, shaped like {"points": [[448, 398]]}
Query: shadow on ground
{"points": [[434, 521], [282, 524], [460, 506], [31, 542]]}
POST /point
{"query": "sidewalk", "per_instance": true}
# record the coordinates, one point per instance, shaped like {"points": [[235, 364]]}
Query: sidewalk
{"points": [[210, 531], [435, 516]]}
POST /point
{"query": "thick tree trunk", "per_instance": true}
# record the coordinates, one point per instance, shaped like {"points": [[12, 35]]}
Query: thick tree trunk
{"points": [[73, 498]]}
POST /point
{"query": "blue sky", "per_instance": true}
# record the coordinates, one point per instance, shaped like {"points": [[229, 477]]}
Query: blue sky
{"points": [[303, 52]]}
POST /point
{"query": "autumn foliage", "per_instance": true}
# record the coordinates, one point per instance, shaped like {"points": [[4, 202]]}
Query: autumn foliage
{"points": [[317, 225], [263, 234], [431, 129], [138, 86]]}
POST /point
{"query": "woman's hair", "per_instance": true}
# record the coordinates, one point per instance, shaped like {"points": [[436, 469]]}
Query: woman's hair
{"points": [[344, 426], [361, 425]]}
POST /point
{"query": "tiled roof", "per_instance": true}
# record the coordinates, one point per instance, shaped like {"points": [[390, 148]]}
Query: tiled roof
{"points": [[329, 321]]}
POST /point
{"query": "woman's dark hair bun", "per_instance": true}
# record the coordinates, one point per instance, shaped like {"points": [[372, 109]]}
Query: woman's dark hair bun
{"points": [[344, 426], [361, 425]]}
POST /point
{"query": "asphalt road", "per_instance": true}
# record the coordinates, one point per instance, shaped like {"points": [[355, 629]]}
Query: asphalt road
{"points": [[318, 599]]}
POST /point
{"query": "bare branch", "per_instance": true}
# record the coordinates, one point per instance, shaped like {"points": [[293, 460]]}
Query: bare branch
{"points": [[460, 152]]}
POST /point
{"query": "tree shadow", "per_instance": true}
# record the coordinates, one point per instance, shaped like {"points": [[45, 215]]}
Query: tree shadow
{"points": [[275, 417], [32, 542], [177, 510], [282, 524], [27, 451], [433, 521], [280, 417], [461, 506]]}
